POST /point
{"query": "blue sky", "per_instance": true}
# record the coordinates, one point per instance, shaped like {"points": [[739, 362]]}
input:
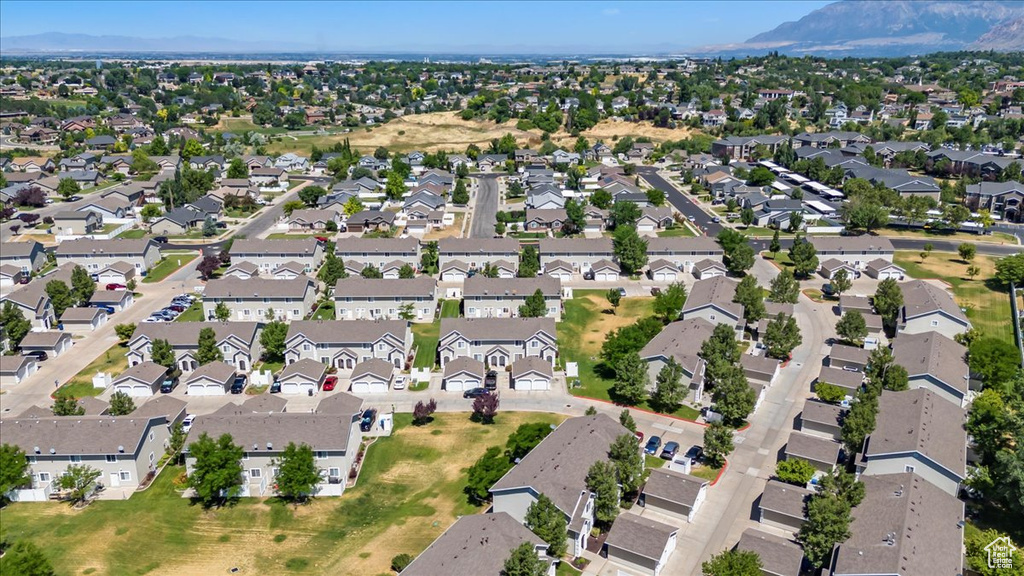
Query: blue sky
{"points": [[417, 26]]}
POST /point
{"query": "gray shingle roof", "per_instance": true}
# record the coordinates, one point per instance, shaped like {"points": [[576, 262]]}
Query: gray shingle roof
{"points": [[89, 247], [373, 367], [581, 246], [473, 246], [674, 486], [920, 297], [187, 333], [345, 331], [148, 372], [463, 364], [680, 340], [785, 499], [376, 246], [718, 291], [385, 288], [778, 556], [842, 378], [254, 432], [232, 287], [640, 535], [933, 354], [557, 467], [922, 520], [80, 436], [477, 544], [812, 448], [480, 285], [852, 245], [529, 364], [822, 413], [497, 328], [922, 422], [285, 247], [217, 371], [849, 353]]}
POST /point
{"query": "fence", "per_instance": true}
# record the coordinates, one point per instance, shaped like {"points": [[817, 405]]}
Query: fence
{"points": [[1016, 321]]}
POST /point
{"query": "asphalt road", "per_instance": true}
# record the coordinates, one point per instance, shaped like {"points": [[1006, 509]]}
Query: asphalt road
{"points": [[486, 208], [701, 218]]}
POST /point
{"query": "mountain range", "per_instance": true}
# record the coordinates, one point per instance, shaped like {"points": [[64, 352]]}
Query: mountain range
{"points": [[844, 28]]}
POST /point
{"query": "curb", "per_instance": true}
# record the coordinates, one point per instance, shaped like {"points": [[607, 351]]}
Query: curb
{"points": [[720, 472]]}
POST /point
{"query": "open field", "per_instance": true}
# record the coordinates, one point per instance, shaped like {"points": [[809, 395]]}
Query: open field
{"points": [[944, 235], [113, 362], [987, 303], [395, 508], [447, 131], [585, 323]]}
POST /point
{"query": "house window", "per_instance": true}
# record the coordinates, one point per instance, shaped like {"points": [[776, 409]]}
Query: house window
{"points": [[305, 347], [321, 455], [125, 476], [152, 456], [246, 312], [461, 344], [245, 455], [151, 436], [44, 476], [75, 458], [111, 458], [334, 472], [296, 313], [32, 460], [255, 473], [935, 322], [908, 468]]}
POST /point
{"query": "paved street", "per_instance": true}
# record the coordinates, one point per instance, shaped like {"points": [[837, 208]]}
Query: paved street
{"points": [[485, 208], [679, 201]]}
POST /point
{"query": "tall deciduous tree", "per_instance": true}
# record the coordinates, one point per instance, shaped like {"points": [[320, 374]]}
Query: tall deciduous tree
{"points": [[535, 306], [804, 257], [82, 286], [781, 336], [15, 324], [669, 302], [218, 468], [13, 469], [888, 300], [78, 480], [603, 481], [784, 288], [631, 379], [60, 296], [523, 561], [297, 473], [629, 464], [717, 444], [272, 340], [733, 563], [630, 249], [751, 296], [487, 470], [668, 387], [841, 281], [545, 520], [207, 350], [734, 398], [25, 559], [852, 326]]}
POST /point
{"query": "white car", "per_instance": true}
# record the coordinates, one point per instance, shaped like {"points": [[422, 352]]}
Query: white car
{"points": [[186, 424], [399, 383]]}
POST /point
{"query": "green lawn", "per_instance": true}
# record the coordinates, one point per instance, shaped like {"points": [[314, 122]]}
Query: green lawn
{"points": [[113, 362], [762, 231], [240, 213], [706, 472], [678, 230], [324, 312], [425, 337], [987, 303], [449, 309], [171, 263], [566, 569], [409, 492], [194, 313], [585, 322], [133, 234], [286, 236], [528, 235]]}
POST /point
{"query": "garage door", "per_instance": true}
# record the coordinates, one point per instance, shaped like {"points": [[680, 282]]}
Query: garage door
{"points": [[454, 276], [296, 388], [606, 277], [368, 387], [887, 275], [459, 384], [526, 384], [205, 390], [645, 228], [137, 391], [665, 276]]}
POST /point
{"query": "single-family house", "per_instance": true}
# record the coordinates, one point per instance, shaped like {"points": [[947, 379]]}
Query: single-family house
{"points": [[179, 221], [34, 303], [28, 256], [314, 220], [75, 223], [370, 221]]}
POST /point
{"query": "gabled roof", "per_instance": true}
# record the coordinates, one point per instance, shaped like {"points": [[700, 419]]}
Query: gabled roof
{"points": [[778, 556], [919, 421], [480, 285], [347, 331], [931, 353], [921, 298], [373, 367], [464, 364], [497, 329], [681, 340], [718, 292], [641, 536], [245, 247], [812, 448], [785, 499], [477, 544], [359, 287], [674, 486], [232, 287]]}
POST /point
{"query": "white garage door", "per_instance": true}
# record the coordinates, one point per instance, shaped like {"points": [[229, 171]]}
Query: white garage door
{"points": [[459, 384], [891, 274], [645, 228], [453, 276], [665, 276], [606, 277], [526, 384], [562, 276], [369, 387], [205, 390], [136, 391], [296, 388]]}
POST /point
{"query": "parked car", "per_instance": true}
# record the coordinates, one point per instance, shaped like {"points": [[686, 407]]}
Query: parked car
{"points": [[116, 286], [369, 417], [622, 292], [104, 307], [186, 424], [588, 275], [179, 308], [653, 445], [399, 382], [323, 239], [275, 387], [695, 454], [655, 291], [828, 290], [74, 198], [474, 392], [639, 437], [238, 386], [160, 239], [168, 385], [330, 382], [716, 219], [491, 380], [670, 451], [37, 355]]}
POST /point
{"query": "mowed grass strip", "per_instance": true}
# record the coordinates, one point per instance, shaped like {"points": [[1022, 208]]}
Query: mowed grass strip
{"points": [[409, 491], [986, 302], [171, 263]]}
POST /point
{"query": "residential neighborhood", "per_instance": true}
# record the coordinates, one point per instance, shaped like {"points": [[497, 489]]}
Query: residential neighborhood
{"points": [[674, 315]]}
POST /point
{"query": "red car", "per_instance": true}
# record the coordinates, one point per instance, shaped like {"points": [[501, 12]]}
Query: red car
{"points": [[330, 383], [639, 437], [115, 286], [323, 239]]}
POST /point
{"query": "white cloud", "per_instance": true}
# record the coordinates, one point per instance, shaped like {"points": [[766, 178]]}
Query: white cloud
{"points": [[610, 11]]}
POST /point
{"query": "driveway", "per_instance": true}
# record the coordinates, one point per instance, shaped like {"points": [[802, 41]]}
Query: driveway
{"points": [[485, 208]]}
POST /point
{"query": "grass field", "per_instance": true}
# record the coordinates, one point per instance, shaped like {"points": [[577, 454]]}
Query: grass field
{"points": [[397, 507], [678, 230], [585, 323], [193, 313], [994, 238], [425, 336], [169, 265], [113, 362], [133, 234], [987, 303], [325, 311]]}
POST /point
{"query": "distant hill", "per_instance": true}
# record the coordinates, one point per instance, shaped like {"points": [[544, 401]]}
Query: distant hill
{"points": [[60, 42], [897, 27]]}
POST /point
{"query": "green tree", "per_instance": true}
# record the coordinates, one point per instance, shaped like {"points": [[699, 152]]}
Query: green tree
{"points": [[460, 196], [371, 271], [176, 441], [79, 480], [217, 472], [717, 444], [795, 471], [603, 481], [523, 561], [121, 404], [163, 354], [967, 251], [734, 398], [750, 295], [209, 227], [207, 350], [740, 259], [13, 469], [67, 188], [668, 387], [575, 219], [82, 286], [624, 453], [668, 304], [625, 214], [829, 392], [928, 247], [297, 473], [332, 270], [310, 195], [60, 296], [630, 249], [852, 326], [804, 257], [973, 270], [545, 520], [775, 245], [733, 563], [15, 324], [190, 149], [841, 281], [784, 288], [406, 272], [781, 336], [888, 300], [535, 306], [631, 379], [66, 406], [719, 350], [429, 258], [487, 470], [626, 419], [529, 262], [221, 312], [272, 340], [238, 169], [828, 523], [291, 206], [996, 361], [401, 561], [150, 211], [976, 541], [601, 199], [859, 422], [24, 558], [614, 297], [524, 439], [895, 378], [1010, 269], [353, 206]]}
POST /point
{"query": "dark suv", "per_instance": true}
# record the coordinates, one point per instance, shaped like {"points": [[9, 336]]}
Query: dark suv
{"points": [[238, 386], [168, 385], [369, 417], [491, 380]]}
